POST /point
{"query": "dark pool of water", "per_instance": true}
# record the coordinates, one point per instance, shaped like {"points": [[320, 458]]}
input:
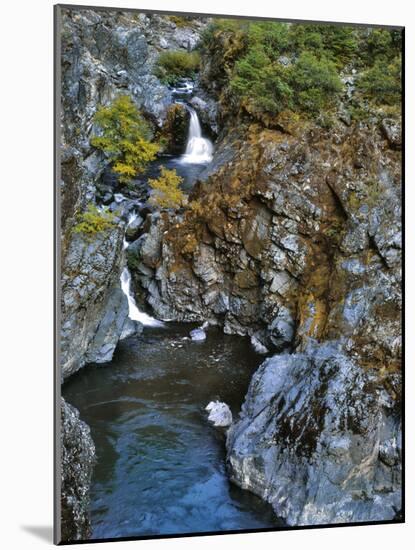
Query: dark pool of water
{"points": [[161, 466]]}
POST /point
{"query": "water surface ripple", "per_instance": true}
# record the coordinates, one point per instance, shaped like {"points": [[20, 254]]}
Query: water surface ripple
{"points": [[160, 466]]}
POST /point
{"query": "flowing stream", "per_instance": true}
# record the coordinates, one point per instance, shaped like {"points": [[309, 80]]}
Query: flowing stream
{"points": [[160, 465], [133, 312]]}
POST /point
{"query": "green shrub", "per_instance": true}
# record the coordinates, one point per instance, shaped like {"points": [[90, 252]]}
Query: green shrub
{"points": [[381, 84], [167, 192], [308, 85], [125, 138], [315, 83], [180, 20], [272, 67], [337, 43], [93, 221], [381, 45], [261, 85], [272, 37], [171, 66]]}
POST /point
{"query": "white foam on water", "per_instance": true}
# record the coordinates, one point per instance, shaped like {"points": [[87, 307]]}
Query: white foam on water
{"points": [[133, 312], [199, 150]]}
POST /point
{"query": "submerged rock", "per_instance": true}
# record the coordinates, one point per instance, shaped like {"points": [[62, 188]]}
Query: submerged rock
{"points": [[319, 439], [77, 460], [219, 414], [197, 334], [131, 328]]}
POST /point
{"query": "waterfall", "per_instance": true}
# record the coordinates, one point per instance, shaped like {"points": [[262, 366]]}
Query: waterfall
{"points": [[133, 312], [131, 218], [198, 149]]}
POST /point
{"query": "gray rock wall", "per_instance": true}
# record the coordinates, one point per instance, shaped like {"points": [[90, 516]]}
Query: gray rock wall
{"points": [[319, 438], [105, 55], [78, 457], [298, 237], [94, 308]]}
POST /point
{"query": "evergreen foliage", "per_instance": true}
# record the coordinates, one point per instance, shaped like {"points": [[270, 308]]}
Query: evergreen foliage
{"points": [[274, 67], [381, 84]]}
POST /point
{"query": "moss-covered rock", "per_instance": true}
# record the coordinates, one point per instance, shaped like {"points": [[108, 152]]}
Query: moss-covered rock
{"points": [[175, 128]]}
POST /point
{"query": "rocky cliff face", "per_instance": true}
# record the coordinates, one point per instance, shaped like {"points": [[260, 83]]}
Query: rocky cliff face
{"points": [[294, 237], [94, 308], [104, 55], [290, 237], [78, 456], [319, 438]]}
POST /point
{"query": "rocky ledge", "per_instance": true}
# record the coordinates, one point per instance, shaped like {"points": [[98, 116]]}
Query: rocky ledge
{"points": [[288, 237]]}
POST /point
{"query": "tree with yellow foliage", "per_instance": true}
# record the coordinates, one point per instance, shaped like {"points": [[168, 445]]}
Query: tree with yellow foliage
{"points": [[126, 138], [166, 189]]}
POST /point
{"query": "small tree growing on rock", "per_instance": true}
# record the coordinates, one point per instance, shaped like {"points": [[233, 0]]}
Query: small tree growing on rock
{"points": [[125, 138], [93, 221], [166, 189]]}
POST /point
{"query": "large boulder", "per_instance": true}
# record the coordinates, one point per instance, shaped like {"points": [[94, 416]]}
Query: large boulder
{"points": [[77, 460], [319, 438], [220, 414]]}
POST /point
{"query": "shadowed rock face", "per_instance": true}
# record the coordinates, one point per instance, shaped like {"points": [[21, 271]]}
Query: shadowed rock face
{"points": [[295, 241], [103, 55], [319, 438], [78, 456], [94, 308]]}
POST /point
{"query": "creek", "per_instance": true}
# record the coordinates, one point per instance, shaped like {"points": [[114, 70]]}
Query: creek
{"points": [[161, 467]]}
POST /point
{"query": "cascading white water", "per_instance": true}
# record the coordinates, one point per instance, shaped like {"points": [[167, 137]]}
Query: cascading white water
{"points": [[198, 149], [131, 218], [133, 312]]}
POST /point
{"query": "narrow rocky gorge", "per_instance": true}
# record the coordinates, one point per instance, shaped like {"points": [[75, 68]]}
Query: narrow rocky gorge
{"points": [[307, 262], [290, 235]]}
